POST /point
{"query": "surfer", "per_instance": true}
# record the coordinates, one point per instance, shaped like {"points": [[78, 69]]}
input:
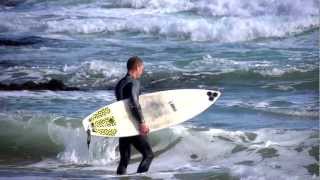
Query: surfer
{"points": [[129, 87]]}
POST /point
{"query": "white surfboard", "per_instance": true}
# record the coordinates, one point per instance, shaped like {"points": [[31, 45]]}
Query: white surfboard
{"points": [[160, 110]]}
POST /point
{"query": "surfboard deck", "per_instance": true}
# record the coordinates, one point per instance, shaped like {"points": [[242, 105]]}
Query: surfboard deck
{"points": [[160, 109]]}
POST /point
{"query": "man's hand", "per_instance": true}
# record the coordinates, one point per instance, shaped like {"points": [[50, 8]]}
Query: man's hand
{"points": [[144, 129]]}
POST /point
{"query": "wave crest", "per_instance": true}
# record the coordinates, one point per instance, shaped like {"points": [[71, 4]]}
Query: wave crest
{"points": [[216, 21]]}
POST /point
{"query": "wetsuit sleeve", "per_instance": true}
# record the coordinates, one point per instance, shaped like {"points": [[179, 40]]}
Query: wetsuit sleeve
{"points": [[134, 100]]}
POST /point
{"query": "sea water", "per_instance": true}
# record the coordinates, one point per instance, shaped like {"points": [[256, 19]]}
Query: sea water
{"points": [[262, 55]]}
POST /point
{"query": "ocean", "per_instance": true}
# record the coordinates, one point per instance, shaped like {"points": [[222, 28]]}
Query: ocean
{"points": [[263, 55]]}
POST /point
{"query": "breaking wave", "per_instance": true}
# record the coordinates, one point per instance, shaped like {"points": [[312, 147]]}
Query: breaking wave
{"points": [[217, 21], [62, 140]]}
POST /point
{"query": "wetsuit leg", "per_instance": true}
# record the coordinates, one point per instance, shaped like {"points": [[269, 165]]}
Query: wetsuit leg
{"points": [[125, 153], [142, 145]]}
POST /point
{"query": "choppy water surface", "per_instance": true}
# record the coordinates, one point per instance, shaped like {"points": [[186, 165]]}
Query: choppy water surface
{"points": [[262, 55]]}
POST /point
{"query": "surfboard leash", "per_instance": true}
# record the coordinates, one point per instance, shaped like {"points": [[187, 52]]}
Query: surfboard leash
{"points": [[88, 138]]}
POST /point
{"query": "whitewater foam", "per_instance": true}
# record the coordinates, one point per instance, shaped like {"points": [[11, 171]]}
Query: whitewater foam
{"points": [[234, 21], [227, 7], [281, 152], [225, 29]]}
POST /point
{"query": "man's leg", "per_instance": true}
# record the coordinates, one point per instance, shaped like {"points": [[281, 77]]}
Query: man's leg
{"points": [[125, 153], [142, 145]]}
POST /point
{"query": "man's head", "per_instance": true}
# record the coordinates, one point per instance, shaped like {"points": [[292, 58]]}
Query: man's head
{"points": [[135, 67]]}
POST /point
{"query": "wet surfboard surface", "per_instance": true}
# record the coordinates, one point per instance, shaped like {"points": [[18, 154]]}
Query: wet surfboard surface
{"points": [[160, 109]]}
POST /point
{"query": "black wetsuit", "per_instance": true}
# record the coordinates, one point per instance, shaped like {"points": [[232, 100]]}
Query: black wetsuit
{"points": [[128, 87]]}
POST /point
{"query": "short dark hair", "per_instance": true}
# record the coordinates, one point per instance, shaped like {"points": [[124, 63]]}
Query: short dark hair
{"points": [[134, 62]]}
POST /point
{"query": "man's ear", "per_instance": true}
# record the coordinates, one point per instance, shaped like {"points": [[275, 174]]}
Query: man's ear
{"points": [[137, 68]]}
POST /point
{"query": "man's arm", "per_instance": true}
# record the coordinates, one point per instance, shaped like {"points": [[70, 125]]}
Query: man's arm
{"points": [[135, 105]]}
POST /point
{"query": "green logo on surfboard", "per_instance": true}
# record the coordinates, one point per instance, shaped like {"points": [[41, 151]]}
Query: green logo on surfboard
{"points": [[103, 122]]}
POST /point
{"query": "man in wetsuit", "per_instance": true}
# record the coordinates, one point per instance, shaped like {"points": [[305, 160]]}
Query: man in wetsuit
{"points": [[129, 87]]}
